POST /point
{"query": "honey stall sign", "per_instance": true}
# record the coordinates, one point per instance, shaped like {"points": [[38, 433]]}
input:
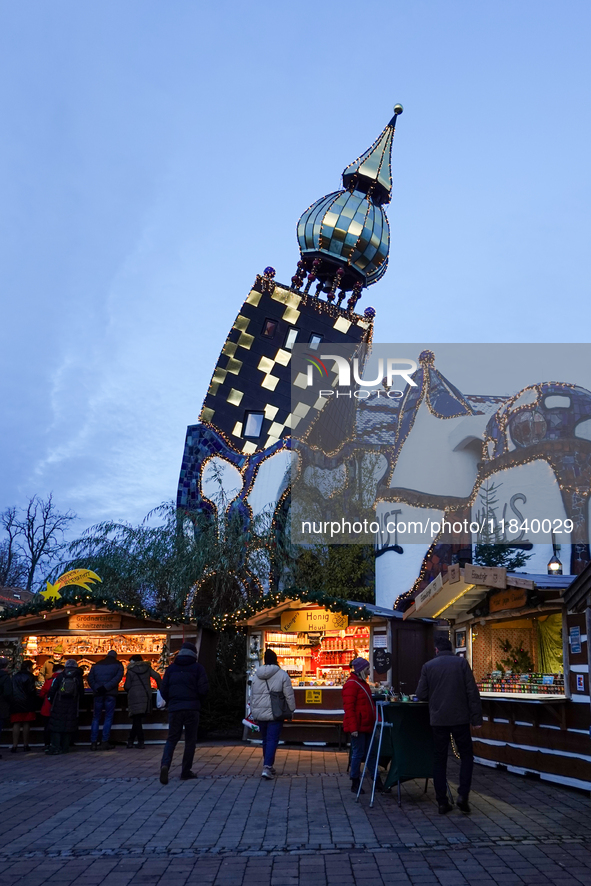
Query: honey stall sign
{"points": [[306, 620], [313, 696]]}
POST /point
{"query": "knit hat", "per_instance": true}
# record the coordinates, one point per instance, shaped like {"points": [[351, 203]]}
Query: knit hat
{"points": [[188, 649], [270, 657], [359, 664], [112, 652], [71, 663]]}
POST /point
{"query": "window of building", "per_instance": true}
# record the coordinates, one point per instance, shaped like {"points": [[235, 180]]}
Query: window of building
{"points": [[290, 338], [314, 342], [269, 328], [253, 424]]}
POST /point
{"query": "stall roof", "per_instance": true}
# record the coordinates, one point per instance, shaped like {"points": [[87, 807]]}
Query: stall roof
{"points": [[87, 600], [454, 600], [577, 595]]}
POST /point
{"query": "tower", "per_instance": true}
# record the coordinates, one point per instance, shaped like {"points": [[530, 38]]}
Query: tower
{"points": [[247, 418]]}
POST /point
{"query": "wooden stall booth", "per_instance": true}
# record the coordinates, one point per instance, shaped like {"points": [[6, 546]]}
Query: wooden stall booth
{"points": [[85, 629], [528, 655], [316, 637]]}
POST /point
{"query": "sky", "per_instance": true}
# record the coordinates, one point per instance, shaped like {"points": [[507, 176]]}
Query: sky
{"points": [[155, 157]]}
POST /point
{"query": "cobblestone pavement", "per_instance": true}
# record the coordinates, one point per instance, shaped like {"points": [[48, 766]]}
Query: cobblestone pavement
{"points": [[103, 818]]}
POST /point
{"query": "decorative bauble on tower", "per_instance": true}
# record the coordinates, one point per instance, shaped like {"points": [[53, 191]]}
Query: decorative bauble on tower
{"points": [[344, 237]]}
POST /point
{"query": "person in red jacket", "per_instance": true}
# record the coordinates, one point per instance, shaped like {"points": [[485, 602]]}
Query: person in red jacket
{"points": [[46, 706], [359, 720]]}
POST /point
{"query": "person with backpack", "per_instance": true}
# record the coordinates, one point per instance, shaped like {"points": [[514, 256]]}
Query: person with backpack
{"points": [[46, 706], [5, 692], [24, 704], [138, 686], [271, 690], [184, 686], [64, 696], [104, 678]]}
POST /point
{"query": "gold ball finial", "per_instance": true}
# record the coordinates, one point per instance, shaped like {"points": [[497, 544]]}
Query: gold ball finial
{"points": [[398, 109]]}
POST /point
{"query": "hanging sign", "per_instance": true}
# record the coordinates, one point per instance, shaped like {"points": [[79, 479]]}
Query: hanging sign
{"points": [[514, 582], [307, 620], [453, 574], [492, 576], [382, 661], [512, 598], [433, 588], [94, 621]]}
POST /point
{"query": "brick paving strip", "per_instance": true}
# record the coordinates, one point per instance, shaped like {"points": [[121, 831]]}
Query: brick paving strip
{"points": [[103, 818]]}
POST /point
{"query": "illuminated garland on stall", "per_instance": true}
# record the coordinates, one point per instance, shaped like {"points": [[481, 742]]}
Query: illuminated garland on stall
{"points": [[275, 598]]}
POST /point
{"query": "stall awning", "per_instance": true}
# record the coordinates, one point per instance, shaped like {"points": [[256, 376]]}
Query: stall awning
{"points": [[454, 598]]}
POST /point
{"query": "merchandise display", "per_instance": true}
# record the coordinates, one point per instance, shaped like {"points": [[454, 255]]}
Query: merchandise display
{"points": [[538, 684], [315, 659]]}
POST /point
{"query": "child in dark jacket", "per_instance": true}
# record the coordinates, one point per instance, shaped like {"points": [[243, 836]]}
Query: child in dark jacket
{"points": [[64, 695]]}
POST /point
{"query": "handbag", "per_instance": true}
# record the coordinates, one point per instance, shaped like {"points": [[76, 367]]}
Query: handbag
{"points": [[279, 707], [160, 703]]}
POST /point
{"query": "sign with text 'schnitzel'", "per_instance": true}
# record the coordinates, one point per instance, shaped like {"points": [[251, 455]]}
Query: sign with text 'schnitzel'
{"points": [[313, 620]]}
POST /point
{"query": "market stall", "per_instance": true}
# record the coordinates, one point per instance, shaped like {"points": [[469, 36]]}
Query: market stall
{"points": [[85, 627], [316, 637], [524, 648]]}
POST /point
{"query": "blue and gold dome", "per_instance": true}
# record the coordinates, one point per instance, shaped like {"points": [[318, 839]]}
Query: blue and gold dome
{"points": [[349, 229]]}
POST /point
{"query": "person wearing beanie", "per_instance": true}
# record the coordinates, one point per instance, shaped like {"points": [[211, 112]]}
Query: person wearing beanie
{"points": [[46, 669], [184, 686], [5, 692], [268, 682], [359, 721], [64, 695], [104, 678]]}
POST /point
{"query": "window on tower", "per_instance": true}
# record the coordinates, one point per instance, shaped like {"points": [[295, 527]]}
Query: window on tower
{"points": [[290, 338], [269, 328], [253, 424], [314, 342]]}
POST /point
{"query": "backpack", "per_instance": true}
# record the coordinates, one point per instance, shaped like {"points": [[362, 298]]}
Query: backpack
{"points": [[69, 686]]}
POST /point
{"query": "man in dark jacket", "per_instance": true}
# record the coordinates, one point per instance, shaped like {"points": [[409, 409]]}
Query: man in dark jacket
{"points": [[448, 684], [5, 693], [184, 686], [104, 678], [65, 695]]}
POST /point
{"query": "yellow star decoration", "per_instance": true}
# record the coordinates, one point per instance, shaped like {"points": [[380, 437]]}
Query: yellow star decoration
{"points": [[80, 577]]}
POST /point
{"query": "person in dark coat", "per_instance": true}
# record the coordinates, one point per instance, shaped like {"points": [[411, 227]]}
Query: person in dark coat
{"points": [[24, 704], [104, 678], [138, 686], [64, 695], [5, 693], [184, 686], [448, 684], [46, 706], [359, 721]]}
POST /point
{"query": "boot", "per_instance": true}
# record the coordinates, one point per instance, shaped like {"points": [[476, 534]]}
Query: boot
{"points": [[140, 745], [355, 786], [129, 743]]}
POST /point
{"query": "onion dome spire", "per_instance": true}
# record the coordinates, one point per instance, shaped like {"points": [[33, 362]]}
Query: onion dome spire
{"points": [[345, 236]]}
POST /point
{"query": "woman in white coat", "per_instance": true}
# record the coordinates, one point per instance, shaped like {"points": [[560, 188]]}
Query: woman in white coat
{"points": [[269, 678]]}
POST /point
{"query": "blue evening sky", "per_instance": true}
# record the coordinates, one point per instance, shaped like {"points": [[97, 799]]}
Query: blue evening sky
{"points": [[156, 156]]}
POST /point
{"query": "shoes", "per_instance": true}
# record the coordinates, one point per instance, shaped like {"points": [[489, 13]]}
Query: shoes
{"points": [[267, 772], [108, 746], [355, 786], [13, 750], [272, 770], [129, 744], [463, 805], [94, 746], [140, 745], [164, 775], [26, 748], [52, 752], [187, 776], [444, 808]]}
